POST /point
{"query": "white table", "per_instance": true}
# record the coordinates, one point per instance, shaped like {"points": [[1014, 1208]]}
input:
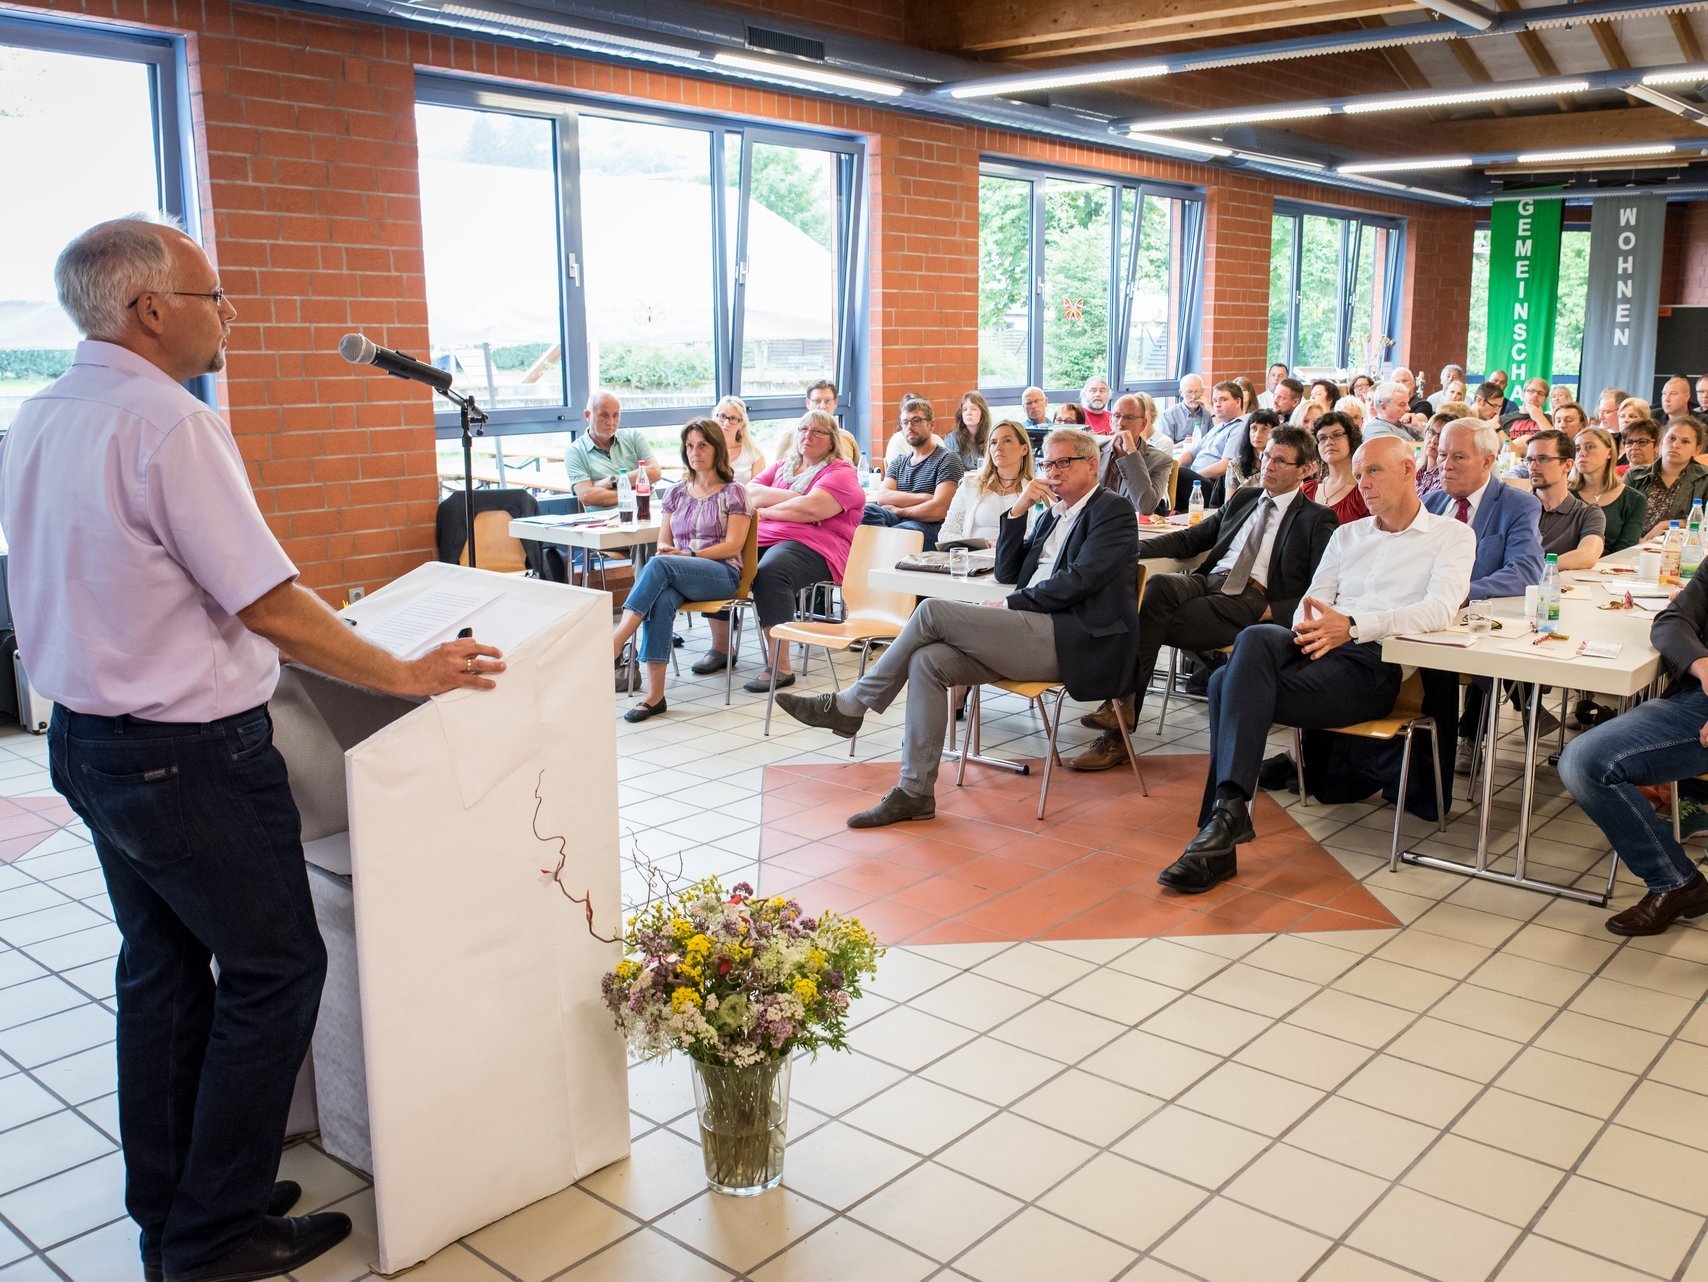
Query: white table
{"points": [[606, 535], [1547, 664]]}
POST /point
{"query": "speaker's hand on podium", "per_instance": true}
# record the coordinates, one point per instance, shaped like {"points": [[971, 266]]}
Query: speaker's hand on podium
{"points": [[463, 664]]}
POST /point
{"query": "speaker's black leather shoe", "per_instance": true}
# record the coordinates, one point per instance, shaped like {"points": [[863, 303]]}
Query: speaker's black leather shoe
{"points": [[1194, 874], [285, 1195], [280, 1245], [1229, 826]]}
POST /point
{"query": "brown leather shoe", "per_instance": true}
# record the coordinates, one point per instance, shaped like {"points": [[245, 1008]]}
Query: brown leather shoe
{"points": [[1104, 719], [1654, 912], [1107, 753]]}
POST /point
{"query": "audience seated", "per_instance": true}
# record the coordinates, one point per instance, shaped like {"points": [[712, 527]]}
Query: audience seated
{"points": [[1335, 486], [1658, 741], [809, 503], [1450, 374], [983, 496], [1640, 439], [1037, 407], [1263, 546], [1248, 395], [1532, 404], [1390, 413], [1569, 417], [1701, 410], [1288, 397], [1206, 457], [1573, 531], [1418, 406], [1271, 381], [920, 483], [1188, 417], [1505, 521], [1404, 571], [702, 530], [1069, 415], [1672, 482], [1324, 392], [1429, 474], [1634, 409], [1488, 401], [1073, 618], [1352, 407], [1675, 399], [745, 458], [1360, 386], [1607, 409], [599, 454], [1243, 463], [1596, 480], [1132, 465], [1559, 396], [1094, 400], [971, 431]]}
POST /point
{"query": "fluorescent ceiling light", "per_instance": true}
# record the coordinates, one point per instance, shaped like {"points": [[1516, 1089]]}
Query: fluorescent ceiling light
{"points": [[809, 73], [505, 21], [1683, 76], [1180, 144], [1597, 153], [1398, 166], [1404, 102], [1055, 80], [1266, 158], [1214, 119]]}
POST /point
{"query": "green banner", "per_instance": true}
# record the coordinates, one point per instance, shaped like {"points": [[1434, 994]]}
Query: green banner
{"points": [[1524, 287]]}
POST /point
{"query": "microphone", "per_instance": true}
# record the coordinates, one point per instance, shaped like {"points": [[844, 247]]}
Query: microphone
{"points": [[358, 349]]}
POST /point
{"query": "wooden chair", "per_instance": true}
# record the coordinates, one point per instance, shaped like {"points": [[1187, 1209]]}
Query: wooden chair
{"points": [[737, 605], [496, 549], [869, 616], [1173, 480], [1036, 692]]}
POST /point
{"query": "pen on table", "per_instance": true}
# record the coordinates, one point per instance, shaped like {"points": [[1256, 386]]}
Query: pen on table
{"points": [[465, 634]]}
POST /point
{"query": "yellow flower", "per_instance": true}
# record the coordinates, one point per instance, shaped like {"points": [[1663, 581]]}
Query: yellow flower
{"points": [[627, 970], [683, 998], [817, 959], [806, 990], [699, 945]]}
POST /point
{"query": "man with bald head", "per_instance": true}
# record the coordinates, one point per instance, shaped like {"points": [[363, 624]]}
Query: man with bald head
{"points": [[603, 451], [1404, 570], [1675, 399], [153, 603]]}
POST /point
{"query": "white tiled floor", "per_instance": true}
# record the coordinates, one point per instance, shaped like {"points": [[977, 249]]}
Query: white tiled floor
{"points": [[1497, 1090]]}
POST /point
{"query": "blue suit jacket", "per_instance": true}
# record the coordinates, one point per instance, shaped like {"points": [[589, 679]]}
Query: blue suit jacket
{"points": [[1509, 540]]}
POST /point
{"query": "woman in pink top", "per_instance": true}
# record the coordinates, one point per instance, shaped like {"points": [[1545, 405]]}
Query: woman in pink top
{"points": [[809, 504]]}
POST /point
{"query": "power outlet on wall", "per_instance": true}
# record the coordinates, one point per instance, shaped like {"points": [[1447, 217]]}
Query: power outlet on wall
{"points": [[356, 594]]}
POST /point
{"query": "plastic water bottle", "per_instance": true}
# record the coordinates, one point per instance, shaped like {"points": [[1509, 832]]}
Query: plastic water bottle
{"points": [[1672, 553], [1695, 522], [1548, 612], [1690, 555], [643, 495], [625, 500], [1195, 505]]}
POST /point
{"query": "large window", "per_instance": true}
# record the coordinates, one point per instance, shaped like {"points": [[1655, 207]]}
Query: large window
{"points": [[1081, 276], [89, 129], [1568, 315], [1334, 290], [670, 258]]}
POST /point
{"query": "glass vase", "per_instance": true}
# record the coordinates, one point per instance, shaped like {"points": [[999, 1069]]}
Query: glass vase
{"points": [[744, 1124]]}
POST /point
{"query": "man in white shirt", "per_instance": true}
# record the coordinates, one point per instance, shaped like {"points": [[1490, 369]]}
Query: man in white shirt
{"points": [[1450, 374], [1404, 570], [1289, 395], [1266, 400]]}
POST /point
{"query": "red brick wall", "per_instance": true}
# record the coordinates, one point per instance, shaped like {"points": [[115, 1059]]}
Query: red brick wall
{"points": [[305, 135], [1684, 265]]}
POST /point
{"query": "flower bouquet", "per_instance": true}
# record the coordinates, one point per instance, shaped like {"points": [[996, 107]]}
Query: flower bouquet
{"points": [[739, 983]]}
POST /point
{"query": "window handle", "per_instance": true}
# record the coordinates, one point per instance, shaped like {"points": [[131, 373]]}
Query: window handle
{"points": [[574, 269]]}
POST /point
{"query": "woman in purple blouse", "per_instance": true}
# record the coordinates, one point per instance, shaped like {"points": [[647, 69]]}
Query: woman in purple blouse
{"points": [[698, 558]]}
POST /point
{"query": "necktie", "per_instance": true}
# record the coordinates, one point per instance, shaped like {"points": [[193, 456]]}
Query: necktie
{"points": [[1463, 512], [1240, 575]]}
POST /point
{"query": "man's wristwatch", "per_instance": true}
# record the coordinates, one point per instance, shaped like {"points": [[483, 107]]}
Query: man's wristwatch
{"points": [[1351, 628]]}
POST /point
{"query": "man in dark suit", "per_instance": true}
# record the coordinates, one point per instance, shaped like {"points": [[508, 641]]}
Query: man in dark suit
{"points": [[1073, 618], [1507, 523], [1263, 545]]}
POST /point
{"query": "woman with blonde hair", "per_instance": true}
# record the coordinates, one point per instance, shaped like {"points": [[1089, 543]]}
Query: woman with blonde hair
{"points": [[984, 496], [745, 458], [1633, 409], [1352, 407], [1595, 479]]}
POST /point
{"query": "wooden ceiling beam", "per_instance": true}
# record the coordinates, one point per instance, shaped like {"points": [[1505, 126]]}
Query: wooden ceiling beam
{"points": [[1473, 67], [1685, 34], [1611, 49], [980, 26], [1541, 61]]}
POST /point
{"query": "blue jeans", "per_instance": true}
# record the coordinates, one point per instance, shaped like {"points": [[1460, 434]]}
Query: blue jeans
{"points": [[1653, 743], [665, 583], [879, 515], [200, 843]]}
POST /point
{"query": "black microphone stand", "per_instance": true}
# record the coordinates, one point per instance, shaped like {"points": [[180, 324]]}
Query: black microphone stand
{"points": [[473, 415]]}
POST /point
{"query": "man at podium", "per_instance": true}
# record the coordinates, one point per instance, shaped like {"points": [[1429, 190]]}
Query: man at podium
{"points": [[152, 603]]}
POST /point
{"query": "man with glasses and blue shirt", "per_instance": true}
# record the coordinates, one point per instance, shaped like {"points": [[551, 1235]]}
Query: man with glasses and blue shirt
{"points": [[153, 603], [920, 482], [1205, 459], [1072, 617]]}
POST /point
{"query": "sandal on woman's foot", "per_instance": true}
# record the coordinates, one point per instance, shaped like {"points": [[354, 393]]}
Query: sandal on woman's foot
{"points": [[761, 684], [641, 711]]}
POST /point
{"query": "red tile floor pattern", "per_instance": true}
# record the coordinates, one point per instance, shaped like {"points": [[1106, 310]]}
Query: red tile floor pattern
{"points": [[26, 822], [987, 870]]}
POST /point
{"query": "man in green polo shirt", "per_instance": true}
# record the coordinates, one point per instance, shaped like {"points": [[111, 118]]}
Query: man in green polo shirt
{"points": [[594, 458]]}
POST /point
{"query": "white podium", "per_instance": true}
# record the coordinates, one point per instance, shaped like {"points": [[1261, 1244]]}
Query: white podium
{"points": [[463, 1056]]}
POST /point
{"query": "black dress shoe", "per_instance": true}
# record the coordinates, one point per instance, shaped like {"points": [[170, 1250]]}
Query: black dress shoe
{"points": [[285, 1195], [1229, 826], [820, 710], [897, 806], [1194, 874], [1278, 774], [715, 661], [280, 1245], [641, 711], [1654, 912]]}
